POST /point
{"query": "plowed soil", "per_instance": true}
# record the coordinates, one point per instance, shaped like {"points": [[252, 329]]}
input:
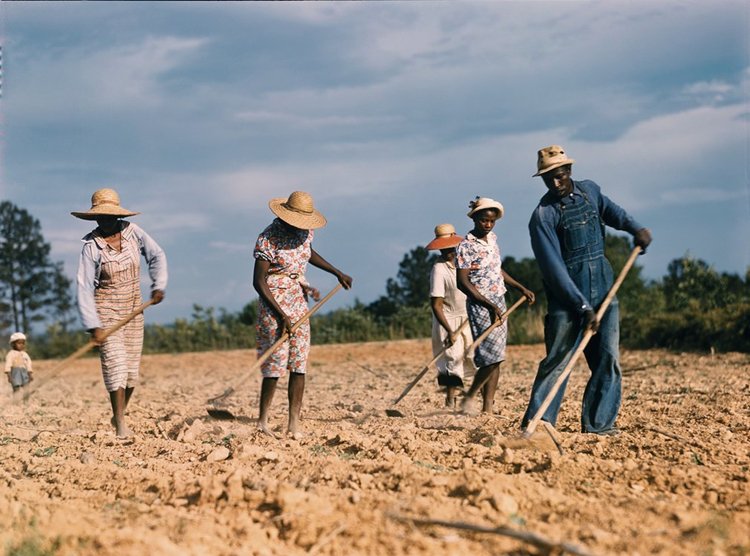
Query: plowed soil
{"points": [[362, 482]]}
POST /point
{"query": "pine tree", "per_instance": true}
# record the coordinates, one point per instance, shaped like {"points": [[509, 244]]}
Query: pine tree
{"points": [[32, 287]]}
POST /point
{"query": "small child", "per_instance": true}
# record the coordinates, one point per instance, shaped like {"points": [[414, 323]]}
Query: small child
{"points": [[18, 362], [449, 315]]}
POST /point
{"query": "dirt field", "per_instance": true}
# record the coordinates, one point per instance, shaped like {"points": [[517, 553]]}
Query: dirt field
{"points": [[675, 481]]}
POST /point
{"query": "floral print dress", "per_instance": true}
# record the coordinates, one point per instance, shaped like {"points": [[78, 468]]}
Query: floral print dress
{"points": [[482, 259], [287, 250]]}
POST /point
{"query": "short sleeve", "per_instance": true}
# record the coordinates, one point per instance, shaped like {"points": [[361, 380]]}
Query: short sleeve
{"points": [[463, 255], [264, 248], [437, 281]]}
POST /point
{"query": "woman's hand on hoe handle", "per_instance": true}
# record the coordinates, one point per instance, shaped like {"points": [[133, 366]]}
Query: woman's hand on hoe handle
{"points": [[345, 280]]}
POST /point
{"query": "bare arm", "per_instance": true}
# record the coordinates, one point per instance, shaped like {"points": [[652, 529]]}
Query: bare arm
{"points": [[319, 262], [465, 285], [260, 274], [513, 283], [437, 309]]}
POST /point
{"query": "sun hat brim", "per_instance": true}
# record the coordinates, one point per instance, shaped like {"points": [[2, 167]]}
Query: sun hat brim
{"points": [[553, 166], [104, 210], [493, 205], [302, 220], [444, 242]]}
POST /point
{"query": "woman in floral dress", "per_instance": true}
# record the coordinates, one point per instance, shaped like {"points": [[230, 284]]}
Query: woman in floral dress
{"points": [[481, 277], [281, 253]]}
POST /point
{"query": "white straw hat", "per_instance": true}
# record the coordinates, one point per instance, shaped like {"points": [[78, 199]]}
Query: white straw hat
{"points": [[17, 336], [482, 203]]}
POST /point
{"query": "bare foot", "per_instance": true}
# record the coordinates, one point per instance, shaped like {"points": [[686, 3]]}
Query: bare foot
{"points": [[294, 435], [263, 427], [123, 431], [466, 409]]}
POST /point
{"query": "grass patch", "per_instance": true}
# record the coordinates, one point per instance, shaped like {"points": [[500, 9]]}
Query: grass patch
{"points": [[33, 545], [45, 452]]}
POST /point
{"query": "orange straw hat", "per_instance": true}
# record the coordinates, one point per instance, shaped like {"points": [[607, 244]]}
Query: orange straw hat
{"points": [[550, 158], [298, 211], [445, 237], [482, 203], [104, 202]]}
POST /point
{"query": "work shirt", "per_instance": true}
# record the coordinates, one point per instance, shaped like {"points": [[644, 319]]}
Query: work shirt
{"points": [[89, 268], [15, 358], [564, 247], [443, 284]]}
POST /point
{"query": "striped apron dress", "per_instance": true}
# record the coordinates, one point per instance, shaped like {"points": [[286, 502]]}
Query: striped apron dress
{"points": [[117, 295]]}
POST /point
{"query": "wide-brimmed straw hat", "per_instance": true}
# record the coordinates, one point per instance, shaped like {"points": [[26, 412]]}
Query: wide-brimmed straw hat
{"points": [[482, 203], [17, 336], [550, 158], [298, 211], [104, 202], [445, 237]]}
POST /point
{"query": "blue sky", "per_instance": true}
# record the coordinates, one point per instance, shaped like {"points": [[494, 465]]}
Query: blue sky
{"points": [[393, 115]]}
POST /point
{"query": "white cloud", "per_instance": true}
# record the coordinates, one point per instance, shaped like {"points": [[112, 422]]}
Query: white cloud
{"points": [[680, 152], [66, 82], [295, 119]]}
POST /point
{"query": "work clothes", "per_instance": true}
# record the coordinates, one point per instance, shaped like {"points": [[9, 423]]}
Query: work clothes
{"points": [[109, 290], [481, 257], [453, 368], [287, 250], [18, 368], [567, 236]]}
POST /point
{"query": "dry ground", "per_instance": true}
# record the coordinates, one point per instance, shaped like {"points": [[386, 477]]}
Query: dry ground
{"points": [[675, 481]]}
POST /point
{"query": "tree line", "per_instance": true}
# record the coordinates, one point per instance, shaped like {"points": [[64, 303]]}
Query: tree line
{"points": [[692, 307]]}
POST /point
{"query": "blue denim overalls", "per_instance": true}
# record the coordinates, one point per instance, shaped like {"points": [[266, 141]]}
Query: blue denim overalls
{"points": [[581, 234]]}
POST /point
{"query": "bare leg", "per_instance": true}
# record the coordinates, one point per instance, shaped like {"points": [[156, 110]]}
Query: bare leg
{"points": [[117, 399], [128, 394], [489, 388], [296, 392], [450, 396], [482, 377], [267, 390]]}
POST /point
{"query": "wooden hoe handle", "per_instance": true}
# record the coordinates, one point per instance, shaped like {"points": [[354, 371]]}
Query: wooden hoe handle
{"points": [[88, 346], [531, 427]]}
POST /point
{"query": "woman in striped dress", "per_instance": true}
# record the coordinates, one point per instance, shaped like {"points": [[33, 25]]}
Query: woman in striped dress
{"points": [[108, 284]]}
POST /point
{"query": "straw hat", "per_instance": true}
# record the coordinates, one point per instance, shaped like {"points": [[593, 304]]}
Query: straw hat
{"points": [[17, 336], [298, 211], [481, 203], [445, 237], [104, 202], [550, 158]]}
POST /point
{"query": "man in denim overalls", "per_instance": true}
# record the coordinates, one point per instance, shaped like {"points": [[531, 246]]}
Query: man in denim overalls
{"points": [[567, 236]]}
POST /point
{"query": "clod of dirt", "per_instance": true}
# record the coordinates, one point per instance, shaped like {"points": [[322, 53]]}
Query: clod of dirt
{"points": [[219, 454]]}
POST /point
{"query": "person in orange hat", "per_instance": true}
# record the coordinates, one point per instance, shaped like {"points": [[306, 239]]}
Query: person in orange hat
{"points": [[281, 253], [449, 330], [567, 230], [482, 278], [108, 285]]}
